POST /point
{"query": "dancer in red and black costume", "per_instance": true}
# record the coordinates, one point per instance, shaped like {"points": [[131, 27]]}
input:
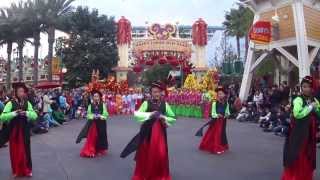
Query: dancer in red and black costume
{"points": [[215, 139], [95, 130], [300, 146], [17, 114], [152, 160]]}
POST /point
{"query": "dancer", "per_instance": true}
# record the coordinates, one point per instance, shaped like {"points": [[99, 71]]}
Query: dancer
{"points": [[95, 129], [17, 114], [152, 161], [215, 140], [300, 146]]}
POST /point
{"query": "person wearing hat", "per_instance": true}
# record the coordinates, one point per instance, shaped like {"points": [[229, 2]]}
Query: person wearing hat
{"points": [[150, 144], [95, 130], [17, 113], [299, 158], [215, 139]]}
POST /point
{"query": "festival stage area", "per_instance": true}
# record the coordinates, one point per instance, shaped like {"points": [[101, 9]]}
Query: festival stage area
{"points": [[254, 154]]}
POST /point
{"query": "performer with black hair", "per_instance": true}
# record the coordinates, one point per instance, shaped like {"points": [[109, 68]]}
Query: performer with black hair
{"points": [[152, 160], [17, 113], [299, 158], [95, 129], [215, 139]]}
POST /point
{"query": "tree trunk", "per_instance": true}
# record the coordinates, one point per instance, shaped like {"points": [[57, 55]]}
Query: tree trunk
{"points": [[9, 52], [238, 46], [36, 37], [246, 46], [51, 38], [20, 50]]}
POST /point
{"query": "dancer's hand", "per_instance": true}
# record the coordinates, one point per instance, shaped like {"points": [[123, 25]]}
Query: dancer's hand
{"points": [[314, 105], [163, 121], [155, 114]]}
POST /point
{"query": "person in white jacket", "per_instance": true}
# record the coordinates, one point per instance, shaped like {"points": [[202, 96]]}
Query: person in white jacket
{"points": [[258, 98]]}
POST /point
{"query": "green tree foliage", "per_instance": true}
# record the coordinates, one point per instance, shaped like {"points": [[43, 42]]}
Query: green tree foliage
{"points": [[92, 45], [155, 73]]}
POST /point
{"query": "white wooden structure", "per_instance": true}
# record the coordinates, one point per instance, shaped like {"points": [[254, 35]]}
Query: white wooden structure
{"points": [[299, 27]]}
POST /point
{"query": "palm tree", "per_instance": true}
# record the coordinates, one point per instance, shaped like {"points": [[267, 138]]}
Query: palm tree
{"points": [[23, 31], [237, 23], [247, 20], [7, 36], [13, 30], [233, 26], [55, 10], [35, 13]]}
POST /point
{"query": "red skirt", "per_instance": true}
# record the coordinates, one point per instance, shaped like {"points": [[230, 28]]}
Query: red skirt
{"points": [[90, 147], [18, 156], [212, 140], [152, 161], [301, 169]]}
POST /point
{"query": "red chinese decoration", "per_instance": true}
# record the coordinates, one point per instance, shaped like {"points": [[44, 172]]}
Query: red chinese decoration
{"points": [[124, 31], [137, 68], [150, 62], [162, 60], [199, 33], [260, 32], [162, 33]]}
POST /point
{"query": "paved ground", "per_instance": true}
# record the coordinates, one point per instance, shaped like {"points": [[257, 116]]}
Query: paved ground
{"points": [[253, 155]]}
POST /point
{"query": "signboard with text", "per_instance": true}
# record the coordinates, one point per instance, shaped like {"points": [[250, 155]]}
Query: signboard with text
{"points": [[260, 32]]}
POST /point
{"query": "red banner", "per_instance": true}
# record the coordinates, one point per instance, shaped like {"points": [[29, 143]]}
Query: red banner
{"points": [[260, 32]]}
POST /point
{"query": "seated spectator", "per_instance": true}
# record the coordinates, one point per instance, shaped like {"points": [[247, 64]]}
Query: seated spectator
{"points": [[284, 122], [49, 118], [263, 120], [271, 122], [57, 114], [243, 114], [41, 126]]}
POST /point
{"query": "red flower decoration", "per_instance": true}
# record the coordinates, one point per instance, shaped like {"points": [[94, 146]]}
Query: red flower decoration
{"points": [[162, 60], [174, 62], [137, 68], [150, 62]]}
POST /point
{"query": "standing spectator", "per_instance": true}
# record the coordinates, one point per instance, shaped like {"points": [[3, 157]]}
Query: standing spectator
{"points": [[258, 99], [63, 102], [46, 103], [70, 104], [275, 97]]}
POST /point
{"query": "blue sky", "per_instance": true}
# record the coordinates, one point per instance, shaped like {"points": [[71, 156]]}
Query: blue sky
{"points": [[154, 11], [162, 11]]}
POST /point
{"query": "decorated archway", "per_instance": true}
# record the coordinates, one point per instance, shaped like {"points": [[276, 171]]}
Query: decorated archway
{"points": [[161, 45]]}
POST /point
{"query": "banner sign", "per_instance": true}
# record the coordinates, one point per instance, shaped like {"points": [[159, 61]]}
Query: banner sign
{"points": [[56, 66], [260, 32]]}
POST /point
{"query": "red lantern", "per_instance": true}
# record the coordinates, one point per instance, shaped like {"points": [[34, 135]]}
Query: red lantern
{"points": [[162, 60], [137, 68], [124, 31], [199, 33]]}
